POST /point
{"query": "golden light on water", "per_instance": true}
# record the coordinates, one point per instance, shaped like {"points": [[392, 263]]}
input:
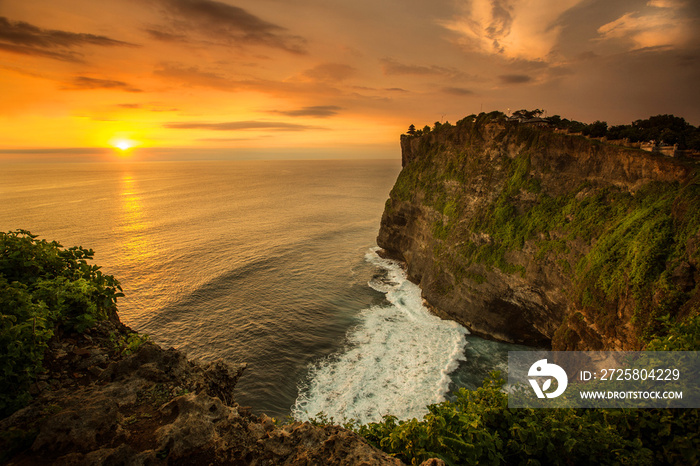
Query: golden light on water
{"points": [[133, 222]]}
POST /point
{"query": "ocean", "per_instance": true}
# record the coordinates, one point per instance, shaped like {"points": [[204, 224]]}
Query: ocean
{"points": [[271, 263]]}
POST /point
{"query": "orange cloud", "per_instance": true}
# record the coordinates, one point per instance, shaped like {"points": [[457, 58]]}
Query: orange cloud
{"points": [[242, 126], [661, 25], [524, 29], [88, 83]]}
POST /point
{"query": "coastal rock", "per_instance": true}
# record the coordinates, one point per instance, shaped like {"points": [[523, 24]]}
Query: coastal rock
{"points": [[156, 407], [493, 220], [303, 443], [194, 427]]}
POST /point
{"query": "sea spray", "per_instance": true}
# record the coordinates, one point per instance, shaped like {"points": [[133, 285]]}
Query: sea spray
{"points": [[397, 360]]}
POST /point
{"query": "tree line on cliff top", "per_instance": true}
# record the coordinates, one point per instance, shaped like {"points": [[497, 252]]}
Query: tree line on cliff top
{"points": [[666, 129]]}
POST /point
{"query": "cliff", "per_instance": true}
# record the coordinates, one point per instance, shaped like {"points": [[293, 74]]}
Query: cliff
{"points": [[109, 397], [79, 387], [532, 236]]}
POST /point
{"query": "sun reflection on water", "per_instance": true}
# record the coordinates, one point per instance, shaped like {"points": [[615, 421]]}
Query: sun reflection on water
{"points": [[133, 224]]}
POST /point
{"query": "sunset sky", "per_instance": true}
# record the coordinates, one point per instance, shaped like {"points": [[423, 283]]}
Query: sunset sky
{"points": [[205, 79]]}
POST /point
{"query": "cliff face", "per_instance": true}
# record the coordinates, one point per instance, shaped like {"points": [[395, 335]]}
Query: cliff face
{"points": [[531, 236], [96, 404]]}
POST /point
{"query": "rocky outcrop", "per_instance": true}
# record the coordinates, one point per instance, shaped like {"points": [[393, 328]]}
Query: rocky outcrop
{"points": [[98, 404], [502, 226]]}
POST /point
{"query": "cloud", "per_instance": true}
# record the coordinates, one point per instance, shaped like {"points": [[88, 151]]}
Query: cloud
{"points": [[57, 151], [317, 111], [243, 126], [664, 23], [152, 107], [166, 36], [515, 78], [27, 39], [391, 67], [224, 139], [523, 29], [459, 91], [330, 72], [225, 24], [87, 83], [193, 75]]}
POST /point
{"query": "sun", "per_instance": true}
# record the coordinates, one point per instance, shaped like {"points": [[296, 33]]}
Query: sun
{"points": [[123, 145]]}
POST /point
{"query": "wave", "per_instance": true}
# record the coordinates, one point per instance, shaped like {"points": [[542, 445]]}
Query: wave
{"points": [[397, 360]]}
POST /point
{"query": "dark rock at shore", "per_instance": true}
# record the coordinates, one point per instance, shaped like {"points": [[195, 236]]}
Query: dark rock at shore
{"points": [[98, 405]]}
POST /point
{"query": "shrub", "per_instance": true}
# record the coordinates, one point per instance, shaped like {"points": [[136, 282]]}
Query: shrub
{"points": [[477, 427], [44, 289]]}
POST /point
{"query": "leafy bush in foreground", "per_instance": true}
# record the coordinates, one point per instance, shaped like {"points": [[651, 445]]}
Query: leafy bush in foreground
{"points": [[478, 428], [44, 289]]}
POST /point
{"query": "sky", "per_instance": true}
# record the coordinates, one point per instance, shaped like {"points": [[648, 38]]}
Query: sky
{"points": [[206, 79]]}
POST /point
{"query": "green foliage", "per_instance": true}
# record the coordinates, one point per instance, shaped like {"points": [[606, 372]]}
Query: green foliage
{"points": [[597, 129], [527, 114], [125, 345], [44, 288], [635, 248], [618, 248], [669, 129], [682, 335], [477, 427], [637, 239], [643, 239]]}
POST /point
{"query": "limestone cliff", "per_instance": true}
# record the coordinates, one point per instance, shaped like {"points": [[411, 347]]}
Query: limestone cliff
{"points": [[528, 235]]}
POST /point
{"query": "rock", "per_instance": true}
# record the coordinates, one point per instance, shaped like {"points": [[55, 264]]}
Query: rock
{"points": [[133, 413], [79, 426], [222, 378], [303, 443], [122, 455], [194, 427], [441, 207], [95, 371]]}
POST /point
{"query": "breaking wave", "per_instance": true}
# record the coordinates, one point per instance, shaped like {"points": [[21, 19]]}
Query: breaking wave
{"points": [[397, 360]]}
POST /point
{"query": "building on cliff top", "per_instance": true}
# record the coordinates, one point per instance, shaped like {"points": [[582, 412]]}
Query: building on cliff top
{"points": [[535, 121]]}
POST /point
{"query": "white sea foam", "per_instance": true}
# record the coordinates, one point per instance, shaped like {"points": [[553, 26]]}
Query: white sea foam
{"points": [[397, 361]]}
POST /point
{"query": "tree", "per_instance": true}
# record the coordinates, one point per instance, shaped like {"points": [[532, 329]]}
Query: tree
{"points": [[597, 129], [555, 120], [528, 114]]}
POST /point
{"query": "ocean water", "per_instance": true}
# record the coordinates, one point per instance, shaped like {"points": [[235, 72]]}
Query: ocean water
{"points": [[272, 263]]}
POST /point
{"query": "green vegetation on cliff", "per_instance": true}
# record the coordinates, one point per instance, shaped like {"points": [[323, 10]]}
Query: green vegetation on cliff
{"points": [[479, 428], [491, 206], [629, 252], [44, 290]]}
